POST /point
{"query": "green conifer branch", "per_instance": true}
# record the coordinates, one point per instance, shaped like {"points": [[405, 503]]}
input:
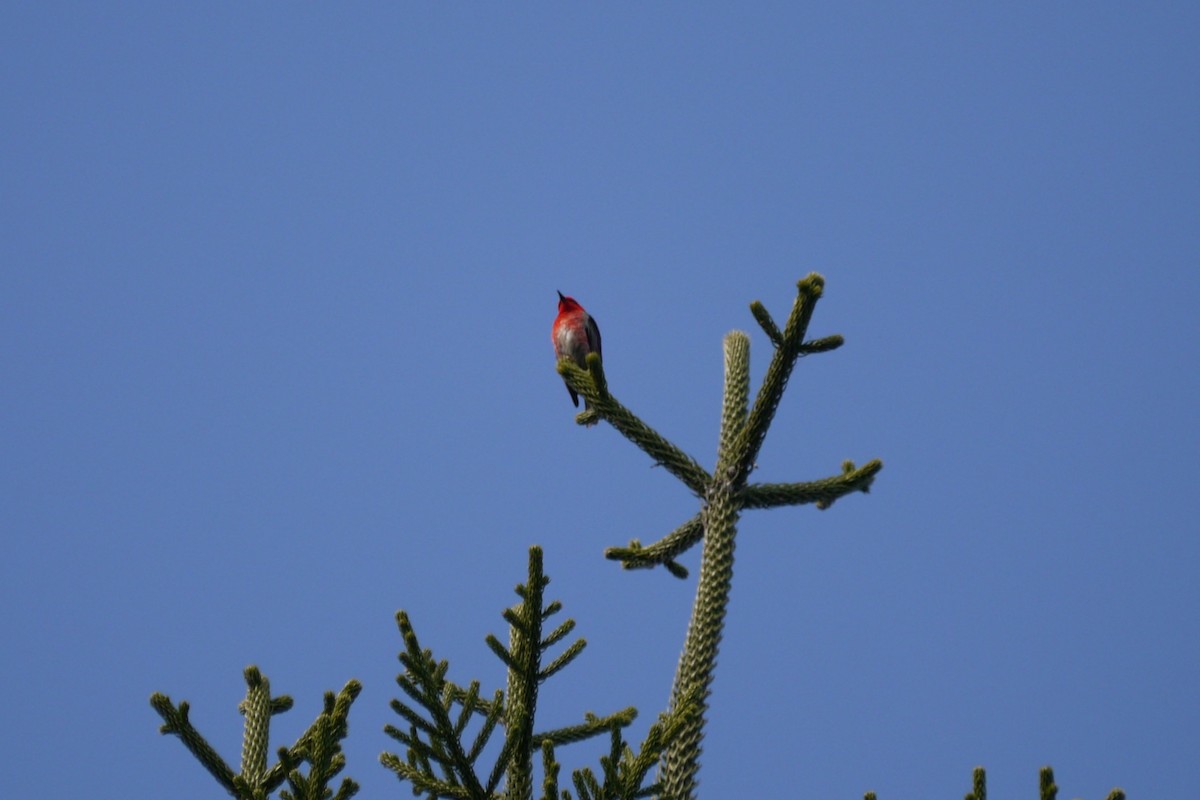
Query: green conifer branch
{"points": [[772, 330], [1047, 789], [256, 708], [468, 704], [493, 712], [550, 771], [822, 345], [822, 492], [561, 661], [605, 406], [558, 634], [766, 322], [327, 760], [662, 552], [978, 785], [525, 638], [319, 744], [417, 771], [501, 652], [789, 348], [424, 680], [697, 665], [586, 785], [176, 722], [591, 727]]}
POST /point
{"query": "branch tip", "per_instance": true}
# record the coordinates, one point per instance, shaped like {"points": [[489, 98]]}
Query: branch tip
{"points": [[766, 323], [812, 284]]}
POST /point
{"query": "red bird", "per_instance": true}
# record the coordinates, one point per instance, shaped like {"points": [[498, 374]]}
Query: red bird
{"points": [[575, 334]]}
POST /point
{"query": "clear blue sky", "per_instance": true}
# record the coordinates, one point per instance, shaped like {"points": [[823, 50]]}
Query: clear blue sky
{"points": [[276, 284]]}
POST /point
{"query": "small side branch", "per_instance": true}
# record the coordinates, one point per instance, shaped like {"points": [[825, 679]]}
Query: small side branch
{"points": [[766, 323], [822, 345], [822, 492], [175, 721], [663, 552], [788, 347], [593, 385], [592, 726]]}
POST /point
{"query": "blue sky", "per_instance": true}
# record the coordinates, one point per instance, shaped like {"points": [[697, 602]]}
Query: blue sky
{"points": [[276, 285]]}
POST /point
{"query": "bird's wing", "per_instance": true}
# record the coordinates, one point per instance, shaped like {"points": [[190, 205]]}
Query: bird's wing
{"points": [[593, 334]]}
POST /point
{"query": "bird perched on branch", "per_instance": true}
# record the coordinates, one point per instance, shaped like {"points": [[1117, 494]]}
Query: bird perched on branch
{"points": [[575, 334]]}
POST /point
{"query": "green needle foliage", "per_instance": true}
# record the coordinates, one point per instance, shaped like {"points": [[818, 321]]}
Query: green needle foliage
{"points": [[319, 746], [446, 727], [442, 753]]}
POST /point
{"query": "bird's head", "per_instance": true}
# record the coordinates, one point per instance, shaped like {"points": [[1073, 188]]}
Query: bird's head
{"points": [[567, 303]]}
